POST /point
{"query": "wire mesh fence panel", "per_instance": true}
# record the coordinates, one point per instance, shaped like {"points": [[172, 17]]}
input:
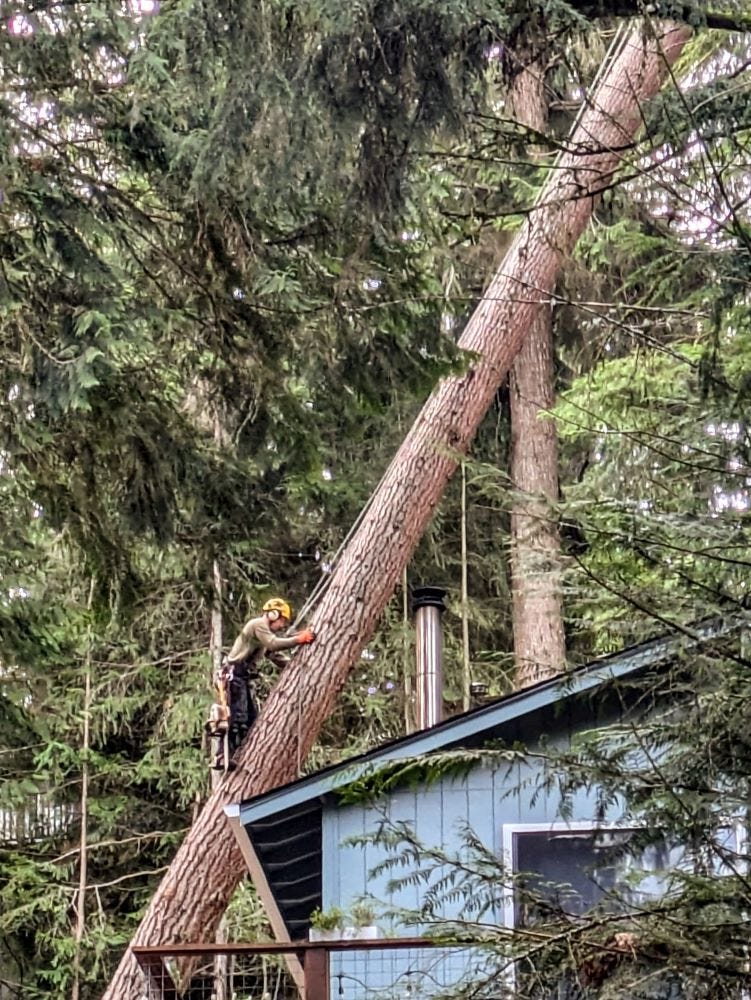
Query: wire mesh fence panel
{"points": [[383, 970], [416, 974], [220, 977], [401, 969], [242, 977], [477, 972]]}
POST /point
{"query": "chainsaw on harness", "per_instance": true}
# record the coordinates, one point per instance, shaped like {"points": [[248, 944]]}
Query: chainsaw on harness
{"points": [[218, 722]]}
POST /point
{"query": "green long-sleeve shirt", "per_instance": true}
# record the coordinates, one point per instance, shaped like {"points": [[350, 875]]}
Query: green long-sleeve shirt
{"points": [[257, 640]]}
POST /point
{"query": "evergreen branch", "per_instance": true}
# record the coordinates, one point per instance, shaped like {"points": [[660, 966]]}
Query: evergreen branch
{"points": [[582, 769], [139, 838], [646, 436], [669, 789], [635, 602], [556, 299], [670, 624], [618, 180], [691, 13], [148, 873], [723, 599], [738, 229]]}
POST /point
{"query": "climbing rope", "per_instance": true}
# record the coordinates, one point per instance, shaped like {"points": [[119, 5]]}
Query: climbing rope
{"points": [[318, 592]]}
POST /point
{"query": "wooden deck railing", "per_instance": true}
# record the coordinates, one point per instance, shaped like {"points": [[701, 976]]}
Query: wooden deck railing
{"points": [[391, 969]]}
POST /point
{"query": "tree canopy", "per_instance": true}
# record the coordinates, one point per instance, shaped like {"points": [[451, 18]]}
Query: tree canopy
{"points": [[237, 247]]}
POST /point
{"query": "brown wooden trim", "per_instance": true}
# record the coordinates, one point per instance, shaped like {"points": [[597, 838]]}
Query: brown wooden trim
{"points": [[292, 947], [258, 875], [316, 966]]}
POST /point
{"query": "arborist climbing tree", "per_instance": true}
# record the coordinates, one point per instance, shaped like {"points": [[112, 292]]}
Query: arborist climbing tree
{"points": [[373, 561], [237, 709]]}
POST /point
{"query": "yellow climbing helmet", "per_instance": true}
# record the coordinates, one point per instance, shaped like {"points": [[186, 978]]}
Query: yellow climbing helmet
{"points": [[281, 607]]}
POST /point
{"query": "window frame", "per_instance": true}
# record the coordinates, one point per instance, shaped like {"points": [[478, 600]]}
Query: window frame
{"points": [[735, 825], [510, 830]]}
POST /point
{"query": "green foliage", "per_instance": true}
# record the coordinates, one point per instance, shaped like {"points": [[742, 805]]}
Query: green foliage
{"points": [[661, 498], [237, 244], [363, 914], [179, 329], [420, 772], [327, 920], [682, 798]]}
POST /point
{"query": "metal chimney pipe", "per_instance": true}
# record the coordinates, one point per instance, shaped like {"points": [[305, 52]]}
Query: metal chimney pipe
{"points": [[427, 606]]}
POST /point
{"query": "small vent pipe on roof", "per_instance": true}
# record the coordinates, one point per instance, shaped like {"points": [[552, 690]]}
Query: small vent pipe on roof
{"points": [[427, 606]]}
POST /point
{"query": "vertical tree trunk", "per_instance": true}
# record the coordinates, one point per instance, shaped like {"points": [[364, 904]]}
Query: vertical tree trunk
{"points": [[83, 847], [83, 843], [408, 661], [216, 643], [537, 606], [466, 661], [192, 896]]}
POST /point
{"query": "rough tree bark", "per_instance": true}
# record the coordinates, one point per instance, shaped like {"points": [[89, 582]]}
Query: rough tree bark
{"points": [[537, 604], [192, 896]]}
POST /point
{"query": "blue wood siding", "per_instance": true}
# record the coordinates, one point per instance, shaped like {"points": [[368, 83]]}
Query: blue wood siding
{"points": [[485, 800]]}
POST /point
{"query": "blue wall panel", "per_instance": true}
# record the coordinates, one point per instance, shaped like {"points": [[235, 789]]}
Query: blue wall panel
{"points": [[486, 800]]}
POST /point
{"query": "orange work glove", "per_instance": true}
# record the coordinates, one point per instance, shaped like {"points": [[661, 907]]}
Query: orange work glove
{"points": [[307, 635]]}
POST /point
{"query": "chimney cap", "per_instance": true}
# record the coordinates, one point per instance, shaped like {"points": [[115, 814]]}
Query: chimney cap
{"points": [[428, 597]]}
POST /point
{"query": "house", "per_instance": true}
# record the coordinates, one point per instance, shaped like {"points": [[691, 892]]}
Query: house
{"points": [[296, 839]]}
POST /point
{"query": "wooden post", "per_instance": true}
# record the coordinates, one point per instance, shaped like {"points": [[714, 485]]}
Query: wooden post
{"points": [[316, 966]]}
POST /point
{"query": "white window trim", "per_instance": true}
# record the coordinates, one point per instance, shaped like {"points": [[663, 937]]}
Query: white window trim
{"points": [[510, 830]]}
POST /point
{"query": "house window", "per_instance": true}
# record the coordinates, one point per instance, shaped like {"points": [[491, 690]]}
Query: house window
{"points": [[572, 869], [567, 870], [578, 866]]}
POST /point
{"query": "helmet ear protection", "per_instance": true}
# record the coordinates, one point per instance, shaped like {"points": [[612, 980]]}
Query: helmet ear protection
{"points": [[277, 608]]}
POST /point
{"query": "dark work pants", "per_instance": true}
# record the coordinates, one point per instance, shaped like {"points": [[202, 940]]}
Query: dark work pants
{"points": [[242, 709]]}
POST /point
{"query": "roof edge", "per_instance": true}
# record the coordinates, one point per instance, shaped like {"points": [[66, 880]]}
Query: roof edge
{"points": [[458, 728]]}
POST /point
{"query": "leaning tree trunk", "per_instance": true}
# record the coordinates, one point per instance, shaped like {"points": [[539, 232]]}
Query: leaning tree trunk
{"points": [[536, 595], [192, 896]]}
